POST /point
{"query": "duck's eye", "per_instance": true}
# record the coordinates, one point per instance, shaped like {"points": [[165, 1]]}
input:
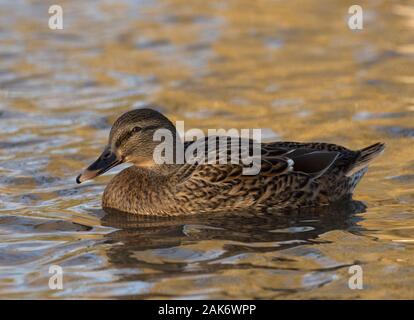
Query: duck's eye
{"points": [[136, 129]]}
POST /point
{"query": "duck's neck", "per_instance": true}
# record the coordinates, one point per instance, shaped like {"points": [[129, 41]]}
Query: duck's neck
{"points": [[137, 190], [164, 164], [165, 169]]}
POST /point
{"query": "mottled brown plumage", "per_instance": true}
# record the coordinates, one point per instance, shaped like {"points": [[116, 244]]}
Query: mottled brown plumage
{"points": [[292, 174]]}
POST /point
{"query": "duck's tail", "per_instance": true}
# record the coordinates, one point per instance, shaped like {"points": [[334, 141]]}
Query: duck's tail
{"points": [[365, 156]]}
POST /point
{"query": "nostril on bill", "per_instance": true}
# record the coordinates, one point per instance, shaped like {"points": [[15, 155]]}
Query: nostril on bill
{"points": [[106, 155]]}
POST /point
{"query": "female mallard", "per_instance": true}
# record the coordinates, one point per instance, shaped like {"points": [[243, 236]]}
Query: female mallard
{"points": [[292, 174]]}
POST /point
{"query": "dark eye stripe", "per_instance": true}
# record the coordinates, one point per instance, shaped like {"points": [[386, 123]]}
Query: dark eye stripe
{"points": [[128, 134]]}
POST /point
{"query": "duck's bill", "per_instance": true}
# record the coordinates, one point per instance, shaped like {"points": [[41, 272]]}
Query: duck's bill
{"points": [[106, 161]]}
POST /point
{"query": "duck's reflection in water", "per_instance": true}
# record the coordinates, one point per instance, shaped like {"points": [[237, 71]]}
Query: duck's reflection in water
{"points": [[173, 243]]}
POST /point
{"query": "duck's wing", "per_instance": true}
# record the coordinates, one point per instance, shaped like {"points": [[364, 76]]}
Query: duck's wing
{"points": [[348, 162], [244, 158], [315, 146], [219, 159], [313, 159]]}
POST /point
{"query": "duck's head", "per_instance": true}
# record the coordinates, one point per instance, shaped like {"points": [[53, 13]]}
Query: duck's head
{"points": [[131, 140]]}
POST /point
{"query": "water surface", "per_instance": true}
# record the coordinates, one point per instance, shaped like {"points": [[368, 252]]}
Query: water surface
{"points": [[291, 68]]}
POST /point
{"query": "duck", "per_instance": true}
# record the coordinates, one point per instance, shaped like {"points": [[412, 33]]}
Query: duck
{"points": [[290, 175]]}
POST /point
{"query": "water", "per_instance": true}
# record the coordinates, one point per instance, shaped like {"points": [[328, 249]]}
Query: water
{"points": [[291, 68]]}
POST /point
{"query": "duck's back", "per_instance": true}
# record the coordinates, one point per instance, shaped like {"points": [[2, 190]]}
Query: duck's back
{"points": [[292, 175]]}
